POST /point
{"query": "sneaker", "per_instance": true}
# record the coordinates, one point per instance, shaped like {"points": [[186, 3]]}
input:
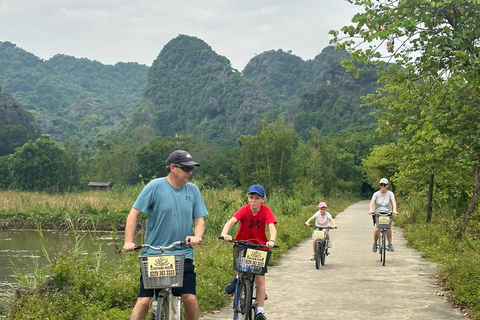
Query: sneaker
{"points": [[390, 247], [230, 288], [312, 257], [260, 316], [374, 247]]}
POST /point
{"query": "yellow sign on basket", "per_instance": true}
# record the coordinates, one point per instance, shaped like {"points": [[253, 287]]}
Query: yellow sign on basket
{"points": [[384, 220], [256, 257], [161, 266], [318, 234]]}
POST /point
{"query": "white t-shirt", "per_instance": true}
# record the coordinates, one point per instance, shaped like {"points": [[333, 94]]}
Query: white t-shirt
{"points": [[383, 203], [322, 221]]}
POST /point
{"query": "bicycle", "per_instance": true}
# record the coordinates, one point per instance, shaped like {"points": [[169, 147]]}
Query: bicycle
{"points": [[321, 246], [162, 273], [249, 262], [383, 221]]}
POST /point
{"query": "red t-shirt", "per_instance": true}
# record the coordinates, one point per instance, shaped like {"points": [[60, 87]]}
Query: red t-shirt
{"points": [[252, 227]]}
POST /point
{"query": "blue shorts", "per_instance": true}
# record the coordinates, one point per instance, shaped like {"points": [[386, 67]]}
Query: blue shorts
{"points": [[189, 282]]}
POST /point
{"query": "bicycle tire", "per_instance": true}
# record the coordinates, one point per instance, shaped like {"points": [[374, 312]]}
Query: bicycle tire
{"points": [[384, 246], [179, 313], [318, 252], [379, 245], [323, 252], [162, 311], [243, 301]]}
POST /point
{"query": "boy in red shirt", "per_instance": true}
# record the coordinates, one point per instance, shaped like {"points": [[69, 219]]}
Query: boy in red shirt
{"points": [[253, 218]]}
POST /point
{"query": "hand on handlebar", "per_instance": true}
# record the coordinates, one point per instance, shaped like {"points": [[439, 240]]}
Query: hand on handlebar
{"points": [[226, 237], [192, 240], [129, 246]]}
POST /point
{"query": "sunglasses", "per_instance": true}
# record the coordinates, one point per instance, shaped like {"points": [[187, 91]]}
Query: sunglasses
{"points": [[382, 184], [186, 169]]}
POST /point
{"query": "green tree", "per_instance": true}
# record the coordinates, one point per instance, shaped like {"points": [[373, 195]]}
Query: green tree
{"points": [[153, 155], [115, 161], [40, 165], [5, 177], [11, 137], [436, 44], [268, 158]]}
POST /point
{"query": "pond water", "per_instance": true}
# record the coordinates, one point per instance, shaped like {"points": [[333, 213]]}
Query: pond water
{"points": [[23, 248]]}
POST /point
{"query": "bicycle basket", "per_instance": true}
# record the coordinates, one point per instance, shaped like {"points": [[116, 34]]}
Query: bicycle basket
{"points": [[318, 234], [162, 271], [383, 221], [250, 260]]}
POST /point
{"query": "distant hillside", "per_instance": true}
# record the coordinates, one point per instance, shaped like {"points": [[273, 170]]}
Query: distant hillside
{"points": [[53, 89], [189, 89], [285, 77], [16, 125]]}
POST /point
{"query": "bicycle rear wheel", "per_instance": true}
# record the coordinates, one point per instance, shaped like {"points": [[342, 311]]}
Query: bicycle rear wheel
{"points": [[384, 247], [318, 253], [243, 301]]}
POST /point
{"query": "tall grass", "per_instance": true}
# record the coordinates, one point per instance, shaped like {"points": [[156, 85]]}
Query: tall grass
{"points": [[458, 265], [78, 286]]}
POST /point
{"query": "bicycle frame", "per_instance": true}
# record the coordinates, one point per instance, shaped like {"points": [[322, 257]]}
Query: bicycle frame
{"points": [[321, 247], [382, 235], [164, 305], [245, 300]]}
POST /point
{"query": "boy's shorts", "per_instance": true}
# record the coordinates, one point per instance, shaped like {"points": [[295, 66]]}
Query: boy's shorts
{"points": [[189, 282]]}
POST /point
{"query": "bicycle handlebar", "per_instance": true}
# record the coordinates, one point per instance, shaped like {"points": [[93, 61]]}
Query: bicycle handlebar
{"points": [[320, 228], [163, 248], [247, 243]]}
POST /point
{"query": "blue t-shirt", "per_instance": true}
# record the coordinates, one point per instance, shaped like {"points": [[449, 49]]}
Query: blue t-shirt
{"points": [[170, 214]]}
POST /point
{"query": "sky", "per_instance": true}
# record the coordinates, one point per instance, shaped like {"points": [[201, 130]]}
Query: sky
{"points": [[112, 31]]}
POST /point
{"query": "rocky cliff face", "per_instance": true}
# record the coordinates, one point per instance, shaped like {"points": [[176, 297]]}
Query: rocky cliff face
{"points": [[12, 113], [192, 89], [16, 124]]}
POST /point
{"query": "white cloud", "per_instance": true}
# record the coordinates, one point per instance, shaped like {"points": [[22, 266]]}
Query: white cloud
{"points": [[123, 30]]}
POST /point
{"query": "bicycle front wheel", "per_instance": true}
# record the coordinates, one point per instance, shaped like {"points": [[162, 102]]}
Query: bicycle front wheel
{"points": [[384, 246], [162, 312], [243, 301], [179, 311], [323, 252], [318, 253]]}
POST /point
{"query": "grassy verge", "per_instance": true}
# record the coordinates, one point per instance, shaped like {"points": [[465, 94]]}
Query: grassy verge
{"points": [[75, 286], [458, 266]]}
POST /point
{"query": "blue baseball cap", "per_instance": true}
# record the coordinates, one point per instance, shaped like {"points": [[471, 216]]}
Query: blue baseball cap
{"points": [[258, 189]]}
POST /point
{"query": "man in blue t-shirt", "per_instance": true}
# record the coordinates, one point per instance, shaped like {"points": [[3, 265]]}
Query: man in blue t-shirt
{"points": [[174, 208]]}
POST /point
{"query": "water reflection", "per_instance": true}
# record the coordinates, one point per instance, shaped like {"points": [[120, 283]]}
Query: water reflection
{"points": [[23, 248]]}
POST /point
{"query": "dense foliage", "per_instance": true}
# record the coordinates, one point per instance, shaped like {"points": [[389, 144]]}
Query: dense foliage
{"points": [[42, 165], [190, 89], [430, 102], [60, 91]]}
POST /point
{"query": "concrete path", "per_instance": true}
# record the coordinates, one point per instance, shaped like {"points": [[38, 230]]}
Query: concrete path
{"points": [[353, 284]]}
